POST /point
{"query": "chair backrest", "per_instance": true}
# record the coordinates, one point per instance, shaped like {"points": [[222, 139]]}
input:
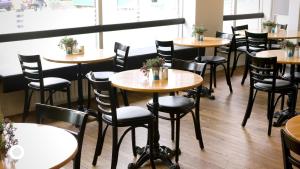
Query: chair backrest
{"points": [[165, 49], [289, 144], [105, 97], [282, 26], [256, 41], [224, 49], [77, 118], [32, 68], [121, 58], [263, 70], [191, 66], [235, 32]]}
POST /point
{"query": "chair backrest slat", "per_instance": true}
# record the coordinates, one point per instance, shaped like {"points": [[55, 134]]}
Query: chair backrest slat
{"points": [[258, 41], [165, 50], [263, 70], [192, 66], [32, 68], [105, 97], [120, 60]]}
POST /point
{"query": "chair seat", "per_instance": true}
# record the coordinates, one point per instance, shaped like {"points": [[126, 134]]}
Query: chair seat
{"points": [[287, 76], [51, 83], [213, 59], [172, 104], [280, 85], [130, 115], [103, 75], [168, 65], [252, 49]]}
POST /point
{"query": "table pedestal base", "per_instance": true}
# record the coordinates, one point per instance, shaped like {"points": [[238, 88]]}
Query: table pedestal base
{"points": [[163, 153], [280, 118], [205, 92]]}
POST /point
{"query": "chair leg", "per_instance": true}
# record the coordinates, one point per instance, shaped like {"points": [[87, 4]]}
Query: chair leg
{"points": [[51, 97], [177, 137], [246, 69], [115, 149], [249, 106], [215, 75], [69, 97], [100, 140], [133, 142], [227, 78], [26, 105], [210, 78], [117, 100], [234, 63], [89, 95], [197, 127], [270, 111], [125, 97], [172, 126], [76, 160]]}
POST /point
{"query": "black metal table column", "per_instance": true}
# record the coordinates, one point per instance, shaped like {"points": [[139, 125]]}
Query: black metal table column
{"points": [[160, 152], [80, 90]]}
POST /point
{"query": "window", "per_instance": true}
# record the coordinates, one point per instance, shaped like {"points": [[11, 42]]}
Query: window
{"points": [[234, 7], [121, 11], [37, 15]]}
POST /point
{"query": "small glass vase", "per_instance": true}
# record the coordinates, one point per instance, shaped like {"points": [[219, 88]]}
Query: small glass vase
{"points": [[155, 73], [199, 36], [290, 52], [163, 73]]}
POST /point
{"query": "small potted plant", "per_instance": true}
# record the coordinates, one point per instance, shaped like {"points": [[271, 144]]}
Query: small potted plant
{"points": [[7, 140], [198, 32], [68, 44], [290, 47], [269, 25], [153, 66]]}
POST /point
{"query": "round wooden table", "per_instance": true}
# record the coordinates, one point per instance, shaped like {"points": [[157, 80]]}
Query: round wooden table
{"points": [[89, 56], [134, 80], [44, 146], [293, 127], [207, 42], [282, 58], [281, 34]]}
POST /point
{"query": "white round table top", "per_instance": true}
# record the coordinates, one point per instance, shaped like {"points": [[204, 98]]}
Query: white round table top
{"points": [[135, 80], [281, 56], [89, 56], [44, 146], [207, 42]]}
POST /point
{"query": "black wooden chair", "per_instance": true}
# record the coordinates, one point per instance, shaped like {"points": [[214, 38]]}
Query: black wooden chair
{"points": [[119, 64], [239, 44], [35, 80], [264, 77], [217, 60], [255, 42], [165, 50], [275, 44], [129, 116], [77, 118], [290, 150], [179, 106]]}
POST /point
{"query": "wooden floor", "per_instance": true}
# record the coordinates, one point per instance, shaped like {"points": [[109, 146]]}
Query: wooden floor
{"points": [[227, 144]]}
